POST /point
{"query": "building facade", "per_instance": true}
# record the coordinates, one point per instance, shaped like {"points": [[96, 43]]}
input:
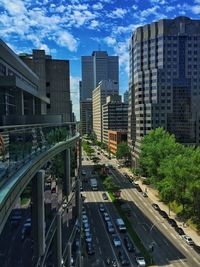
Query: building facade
{"points": [[86, 121], [20, 95], [126, 97], [99, 95], [54, 81], [95, 68], [115, 138], [114, 115], [164, 81]]}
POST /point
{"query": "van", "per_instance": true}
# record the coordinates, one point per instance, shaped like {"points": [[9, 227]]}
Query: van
{"points": [[121, 225]]}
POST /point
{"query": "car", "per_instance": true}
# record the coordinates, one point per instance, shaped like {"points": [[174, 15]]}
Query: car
{"points": [[140, 260], [116, 240], [172, 222], [90, 248], [110, 227], [104, 196], [106, 216], [86, 226], [83, 172], [144, 194], [129, 244], [26, 230], [88, 236], [83, 211], [155, 206], [101, 207], [138, 188], [179, 230], [188, 240], [123, 258], [164, 214], [85, 219], [75, 245]]}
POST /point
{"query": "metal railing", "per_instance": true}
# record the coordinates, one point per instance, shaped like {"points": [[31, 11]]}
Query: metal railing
{"points": [[20, 144]]}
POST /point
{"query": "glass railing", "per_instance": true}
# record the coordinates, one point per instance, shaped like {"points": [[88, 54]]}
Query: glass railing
{"points": [[20, 144]]}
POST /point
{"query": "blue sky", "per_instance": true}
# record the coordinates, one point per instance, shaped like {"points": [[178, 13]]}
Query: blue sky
{"points": [[69, 29]]}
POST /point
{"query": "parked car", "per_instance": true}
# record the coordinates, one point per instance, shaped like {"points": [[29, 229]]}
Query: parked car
{"points": [[163, 214], [88, 236], [104, 196], [116, 240], [144, 194], [188, 240], [26, 231], [172, 222], [155, 206], [179, 230], [85, 219], [129, 244], [123, 258]]}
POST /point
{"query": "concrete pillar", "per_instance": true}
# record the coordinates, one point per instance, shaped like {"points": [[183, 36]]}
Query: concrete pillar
{"points": [[19, 99], [59, 240], [69, 254], [67, 172], [38, 214]]}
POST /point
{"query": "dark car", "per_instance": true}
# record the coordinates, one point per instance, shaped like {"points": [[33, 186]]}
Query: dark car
{"points": [[101, 207], [163, 214], [172, 222], [179, 230], [90, 248], [129, 244], [104, 196], [123, 258], [138, 188], [155, 206]]}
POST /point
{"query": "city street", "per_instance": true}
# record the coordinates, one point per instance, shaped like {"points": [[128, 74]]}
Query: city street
{"points": [[168, 247]]}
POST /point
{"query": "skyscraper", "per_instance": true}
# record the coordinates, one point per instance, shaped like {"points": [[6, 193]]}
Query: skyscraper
{"points": [[164, 81], [95, 68], [126, 97]]}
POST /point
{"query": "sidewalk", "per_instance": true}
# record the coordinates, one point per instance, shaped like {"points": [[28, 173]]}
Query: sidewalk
{"points": [[153, 196]]}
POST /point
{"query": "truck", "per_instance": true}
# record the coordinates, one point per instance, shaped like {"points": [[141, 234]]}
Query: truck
{"points": [[94, 184]]}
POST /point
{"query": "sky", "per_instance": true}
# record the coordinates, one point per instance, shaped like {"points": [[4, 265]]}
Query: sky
{"points": [[69, 29]]}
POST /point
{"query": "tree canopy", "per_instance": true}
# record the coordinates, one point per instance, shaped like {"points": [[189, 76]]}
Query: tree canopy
{"points": [[123, 151], [173, 168]]}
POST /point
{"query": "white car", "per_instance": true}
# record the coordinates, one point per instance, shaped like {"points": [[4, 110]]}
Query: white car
{"points": [[116, 240], [140, 261], [84, 219], [188, 240], [88, 236]]}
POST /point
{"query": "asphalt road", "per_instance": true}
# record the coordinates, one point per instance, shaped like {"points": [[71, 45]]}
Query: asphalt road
{"points": [[102, 240], [169, 248]]}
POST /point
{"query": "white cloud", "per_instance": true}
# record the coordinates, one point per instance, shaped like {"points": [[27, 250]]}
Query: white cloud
{"points": [[196, 9], [117, 13], [149, 11], [161, 2], [110, 41], [134, 7], [74, 88], [97, 6], [93, 24], [67, 40], [14, 7]]}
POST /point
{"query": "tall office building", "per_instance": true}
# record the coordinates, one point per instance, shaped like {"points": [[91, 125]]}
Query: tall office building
{"points": [[114, 116], [126, 97], [164, 81], [54, 81], [99, 95], [95, 68]]}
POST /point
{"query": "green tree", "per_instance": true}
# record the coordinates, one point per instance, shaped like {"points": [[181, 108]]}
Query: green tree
{"points": [[123, 151], [156, 146]]}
